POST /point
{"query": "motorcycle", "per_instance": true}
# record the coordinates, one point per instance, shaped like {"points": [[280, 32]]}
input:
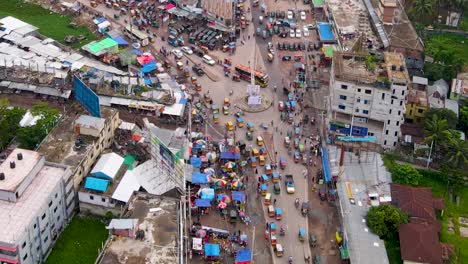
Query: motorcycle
{"points": [[282, 231], [290, 259], [296, 203]]}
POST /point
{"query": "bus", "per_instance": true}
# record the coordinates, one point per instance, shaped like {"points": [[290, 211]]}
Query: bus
{"points": [[136, 35], [245, 74]]}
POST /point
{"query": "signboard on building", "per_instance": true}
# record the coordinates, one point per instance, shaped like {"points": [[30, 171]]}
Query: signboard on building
{"points": [[86, 97]]}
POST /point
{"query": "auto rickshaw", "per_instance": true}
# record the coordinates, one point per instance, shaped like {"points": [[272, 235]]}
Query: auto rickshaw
{"points": [[186, 72], [232, 216], [288, 106], [198, 87], [278, 214], [282, 162], [275, 177], [302, 234], [240, 122], [271, 211], [293, 105], [312, 240], [230, 126], [249, 135], [279, 250], [207, 98], [272, 228], [261, 159], [296, 143], [267, 198], [301, 148], [268, 169], [193, 79], [253, 162], [214, 109], [277, 188], [228, 61], [280, 106], [227, 102], [236, 77], [264, 191], [273, 240], [255, 152], [290, 118], [259, 141], [93, 4], [180, 65], [216, 118], [265, 178], [263, 151], [297, 156], [250, 126], [305, 208], [225, 110], [287, 141]]}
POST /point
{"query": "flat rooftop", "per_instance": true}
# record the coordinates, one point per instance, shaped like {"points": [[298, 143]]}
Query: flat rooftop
{"points": [[357, 180], [417, 97], [17, 217], [399, 74], [14, 177], [161, 233]]}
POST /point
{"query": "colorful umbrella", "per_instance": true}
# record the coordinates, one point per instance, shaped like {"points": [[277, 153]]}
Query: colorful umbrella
{"points": [[219, 182], [209, 171], [236, 183], [226, 199], [230, 165], [201, 233], [221, 205], [194, 111], [232, 174]]}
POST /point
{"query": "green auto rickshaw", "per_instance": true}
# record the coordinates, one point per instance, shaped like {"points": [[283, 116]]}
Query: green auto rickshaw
{"points": [[249, 136]]}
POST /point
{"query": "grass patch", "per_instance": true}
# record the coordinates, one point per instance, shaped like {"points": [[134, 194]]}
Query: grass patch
{"points": [[458, 44], [50, 24], [393, 251], [79, 242]]}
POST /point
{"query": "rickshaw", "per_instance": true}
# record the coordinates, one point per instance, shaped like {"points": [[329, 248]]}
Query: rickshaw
{"points": [[232, 216], [290, 118], [302, 234], [301, 148], [288, 106], [228, 61], [277, 188], [290, 97], [226, 102], [216, 118], [270, 57], [236, 77], [267, 198], [207, 98], [250, 126], [279, 250], [265, 178], [312, 240], [225, 110], [278, 214], [253, 162], [297, 131], [305, 208], [180, 65], [297, 156], [255, 152], [214, 109], [230, 126], [296, 143], [263, 151], [249, 135], [259, 141], [268, 169], [280, 105], [271, 211], [273, 240], [293, 105], [287, 141], [275, 177], [193, 79], [282, 162], [261, 159], [264, 191], [240, 122], [272, 228], [198, 87]]}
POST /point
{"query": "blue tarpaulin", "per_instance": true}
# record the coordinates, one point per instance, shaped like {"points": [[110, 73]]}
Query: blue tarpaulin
{"points": [[212, 250], [99, 20], [137, 52], [202, 203], [96, 184], [199, 178], [149, 67], [230, 155], [207, 193], [196, 162], [182, 100], [238, 196], [243, 256], [325, 164], [325, 32], [148, 81], [120, 41]]}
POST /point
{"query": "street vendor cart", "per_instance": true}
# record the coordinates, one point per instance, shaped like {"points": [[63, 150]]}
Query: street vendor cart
{"points": [[197, 246], [212, 252]]}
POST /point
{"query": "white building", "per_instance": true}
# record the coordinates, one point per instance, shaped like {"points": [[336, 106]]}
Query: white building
{"points": [[369, 100], [32, 205]]}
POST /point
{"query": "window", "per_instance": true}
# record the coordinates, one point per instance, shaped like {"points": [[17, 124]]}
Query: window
{"points": [[394, 143], [420, 111], [55, 209], [390, 112], [342, 107], [370, 134], [91, 197], [58, 218], [56, 195], [397, 123], [43, 216], [393, 91], [368, 91], [385, 142], [396, 133], [358, 100], [46, 238], [403, 92], [383, 96], [359, 90], [50, 204], [25, 257], [401, 103], [388, 122], [386, 132], [357, 110], [365, 112], [366, 101], [410, 112], [24, 244], [344, 87], [103, 200], [37, 248], [391, 102], [111, 201], [343, 97], [35, 226], [399, 112]]}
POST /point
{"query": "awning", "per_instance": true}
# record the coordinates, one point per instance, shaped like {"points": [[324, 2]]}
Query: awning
{"points": [[243, 256], [169, 6], [238, 196], [212, 250], [120, 41], [199, 178], [202, 203], [196, 162], [230, 155]]}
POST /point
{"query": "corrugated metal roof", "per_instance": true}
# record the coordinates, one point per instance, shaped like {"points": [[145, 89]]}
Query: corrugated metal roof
{"points": [[108, 166], [96, 184], [122, 223], [126, 187]]}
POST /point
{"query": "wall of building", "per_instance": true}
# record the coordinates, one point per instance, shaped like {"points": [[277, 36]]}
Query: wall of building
{"points": [[96, 199], [415, 113]]}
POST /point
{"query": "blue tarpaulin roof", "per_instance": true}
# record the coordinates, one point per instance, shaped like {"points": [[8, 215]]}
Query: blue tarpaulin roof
{"points": [[325, 32], [120, 41], [244, 255], [230, 155], [207, 193], [212, 250], [96, 184], [196, 162], [149, 67], [325, 164], [238, 196], [182, 100], [202, 203], [199, 178]]}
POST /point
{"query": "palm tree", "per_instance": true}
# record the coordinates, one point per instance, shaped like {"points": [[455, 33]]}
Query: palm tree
{"points": [[423, 7], [436, 131], [458, 154]]}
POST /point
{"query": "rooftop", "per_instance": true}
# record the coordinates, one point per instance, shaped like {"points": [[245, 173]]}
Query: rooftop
{"points": [[18, 215], [358, 180], [416, 201], [90, 122], [419, 242], [157, 217], [14, 177]]}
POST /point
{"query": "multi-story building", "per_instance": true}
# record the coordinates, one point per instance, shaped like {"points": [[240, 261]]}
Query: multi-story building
{"points": [[220, 13], [416, 106], [33, 194], [368, 96]]}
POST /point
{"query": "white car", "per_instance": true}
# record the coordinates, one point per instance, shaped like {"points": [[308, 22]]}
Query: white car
{"points": [[310, 26], [290, 15], [187, 50], [306, 31], [298, 33], [292, 34], [303, 16], [177, 53], [208, 60]]}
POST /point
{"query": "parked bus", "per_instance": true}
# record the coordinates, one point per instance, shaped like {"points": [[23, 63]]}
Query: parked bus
{"points": [[245, 73], [136, 35]]}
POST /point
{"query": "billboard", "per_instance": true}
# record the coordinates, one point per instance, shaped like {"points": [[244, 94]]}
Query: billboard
{"points": [[167, 157], [87, 98]]}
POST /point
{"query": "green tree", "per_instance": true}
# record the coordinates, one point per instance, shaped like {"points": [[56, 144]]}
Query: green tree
{"points": [[422, 8], [405, 174], [445, 114], [436, 131], [457, 156], [9, 122], [385, 219], [463, 119]]}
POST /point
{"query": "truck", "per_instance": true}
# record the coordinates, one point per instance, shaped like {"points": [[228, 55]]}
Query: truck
{"points": [[289, 183]]}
